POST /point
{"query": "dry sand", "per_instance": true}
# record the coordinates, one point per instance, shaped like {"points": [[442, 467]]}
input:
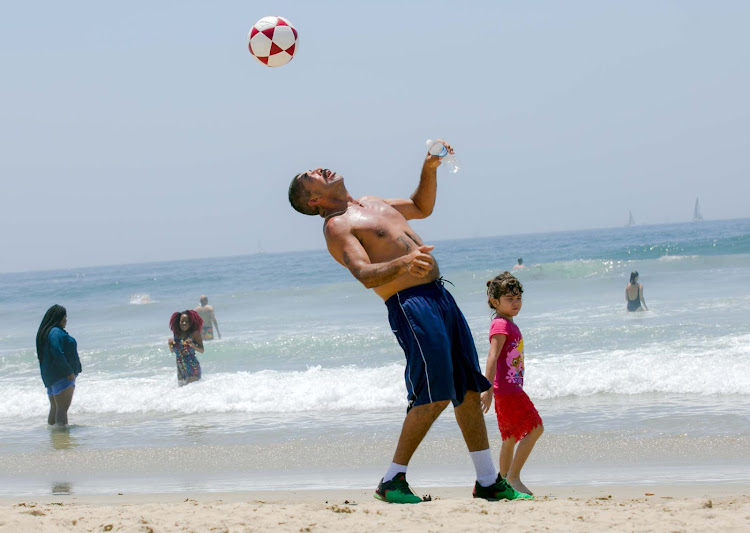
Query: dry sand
{"points": [[704, 508]]}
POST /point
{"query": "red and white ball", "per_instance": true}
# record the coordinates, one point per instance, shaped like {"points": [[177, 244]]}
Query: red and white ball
{"points": [[273, 41]]}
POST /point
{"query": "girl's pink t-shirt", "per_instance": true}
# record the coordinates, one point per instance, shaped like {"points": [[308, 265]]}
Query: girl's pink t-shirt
{"points": [[509, 374]]}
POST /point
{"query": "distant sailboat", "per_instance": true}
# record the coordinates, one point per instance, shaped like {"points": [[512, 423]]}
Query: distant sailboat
{"points": [[697, 217], [631, 220]]}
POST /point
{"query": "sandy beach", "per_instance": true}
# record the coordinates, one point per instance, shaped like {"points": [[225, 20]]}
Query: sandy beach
{"points": [[723, 508]]}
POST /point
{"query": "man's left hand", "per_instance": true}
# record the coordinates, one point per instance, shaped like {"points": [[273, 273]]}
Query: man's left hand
{"points": [[433, 161]]}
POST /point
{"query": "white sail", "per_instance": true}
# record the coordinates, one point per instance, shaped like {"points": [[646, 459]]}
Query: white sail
{"points": [[631, 220], [697, 217]]}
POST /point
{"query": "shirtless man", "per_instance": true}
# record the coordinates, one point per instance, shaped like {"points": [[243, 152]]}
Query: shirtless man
{"points": [[372, 238], [206, 312]]}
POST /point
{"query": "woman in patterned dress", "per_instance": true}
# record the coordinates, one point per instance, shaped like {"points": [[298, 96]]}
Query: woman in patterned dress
{"points": [[186, 327]]}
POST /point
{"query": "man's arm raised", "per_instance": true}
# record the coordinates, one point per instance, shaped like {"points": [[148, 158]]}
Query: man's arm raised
{"points": [[347, 250], [422, 201]]}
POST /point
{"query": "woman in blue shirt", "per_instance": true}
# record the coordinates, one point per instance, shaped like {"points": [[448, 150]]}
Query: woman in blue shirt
{"points": [[59, 363]]}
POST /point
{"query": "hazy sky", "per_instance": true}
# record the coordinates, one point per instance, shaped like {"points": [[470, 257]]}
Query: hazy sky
{"points": [[145, 131]]}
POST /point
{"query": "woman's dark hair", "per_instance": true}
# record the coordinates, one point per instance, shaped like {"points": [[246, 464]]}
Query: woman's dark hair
{"points": [[196, 322], [52, 319], [633, 276], [505, 283]]}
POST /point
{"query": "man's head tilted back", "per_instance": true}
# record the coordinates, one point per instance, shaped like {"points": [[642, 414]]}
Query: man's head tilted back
{"points": [[299, 196]]}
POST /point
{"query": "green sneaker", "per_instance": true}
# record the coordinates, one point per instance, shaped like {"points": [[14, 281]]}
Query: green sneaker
{"points": [[396, 491], [499, 490]]}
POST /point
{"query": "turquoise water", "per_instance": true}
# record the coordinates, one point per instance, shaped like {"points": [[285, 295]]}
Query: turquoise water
{"points": [[305, 389]]}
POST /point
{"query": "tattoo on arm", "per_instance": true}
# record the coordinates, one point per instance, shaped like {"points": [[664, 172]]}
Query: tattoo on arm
{"points": [[346, 259], [406, 243]]}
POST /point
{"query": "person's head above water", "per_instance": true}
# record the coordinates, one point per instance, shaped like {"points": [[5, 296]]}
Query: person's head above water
{"points": [[520, 260], [634, 276], [203, 299], [311, 192], [187, 321]]}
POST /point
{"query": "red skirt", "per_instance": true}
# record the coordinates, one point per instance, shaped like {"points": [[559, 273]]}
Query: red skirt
{"points": [[516, 415]]}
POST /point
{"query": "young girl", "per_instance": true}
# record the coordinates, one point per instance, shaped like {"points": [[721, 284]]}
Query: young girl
{"points": [[186, 327], [517, 418]]}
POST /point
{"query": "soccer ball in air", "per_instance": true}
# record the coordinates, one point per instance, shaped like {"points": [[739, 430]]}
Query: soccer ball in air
{"points": [[273, 41]]}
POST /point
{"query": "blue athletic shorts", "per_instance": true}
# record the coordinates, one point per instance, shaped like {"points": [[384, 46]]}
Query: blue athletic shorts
{"points": [[441, 359], [59, 386]]}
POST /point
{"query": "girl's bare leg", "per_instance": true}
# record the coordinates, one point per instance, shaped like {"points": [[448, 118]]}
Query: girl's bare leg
{"points": [[506, 455], [525, 445]]}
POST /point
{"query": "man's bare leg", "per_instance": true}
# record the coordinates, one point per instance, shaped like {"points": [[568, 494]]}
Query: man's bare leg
{"points": [[471, 421], [417, 423], [393, 487]]}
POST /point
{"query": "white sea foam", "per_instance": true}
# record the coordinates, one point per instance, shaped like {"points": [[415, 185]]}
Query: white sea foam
{"points": [[267, 391], [141, 299], [681, 368], [673, 258], [677, 369]]}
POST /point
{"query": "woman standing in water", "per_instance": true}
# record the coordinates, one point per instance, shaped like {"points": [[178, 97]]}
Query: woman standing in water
{"points": [[58, 362], [634, 294], [186, 327]]}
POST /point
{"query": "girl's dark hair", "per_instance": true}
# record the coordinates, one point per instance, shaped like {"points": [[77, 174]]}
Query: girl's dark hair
{"points": [[52, 319], [505, 283], [196, 322], [633, 275]]}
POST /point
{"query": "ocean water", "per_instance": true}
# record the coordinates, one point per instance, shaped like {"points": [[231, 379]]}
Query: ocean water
{"points": [[305, 389]]}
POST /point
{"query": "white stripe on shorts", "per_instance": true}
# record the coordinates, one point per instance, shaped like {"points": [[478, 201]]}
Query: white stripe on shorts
{"points": [[427, 373]]}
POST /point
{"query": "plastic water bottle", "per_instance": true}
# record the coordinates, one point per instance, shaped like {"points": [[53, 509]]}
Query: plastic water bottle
{"points": [[449, 160]]}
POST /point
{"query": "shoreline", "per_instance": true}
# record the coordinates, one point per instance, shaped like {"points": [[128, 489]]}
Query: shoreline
{"points": [[578, 508], [697, 490]]}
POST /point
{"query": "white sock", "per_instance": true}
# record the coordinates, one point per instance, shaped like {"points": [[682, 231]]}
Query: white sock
{"points": [[486, 473], [394, 469]]}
